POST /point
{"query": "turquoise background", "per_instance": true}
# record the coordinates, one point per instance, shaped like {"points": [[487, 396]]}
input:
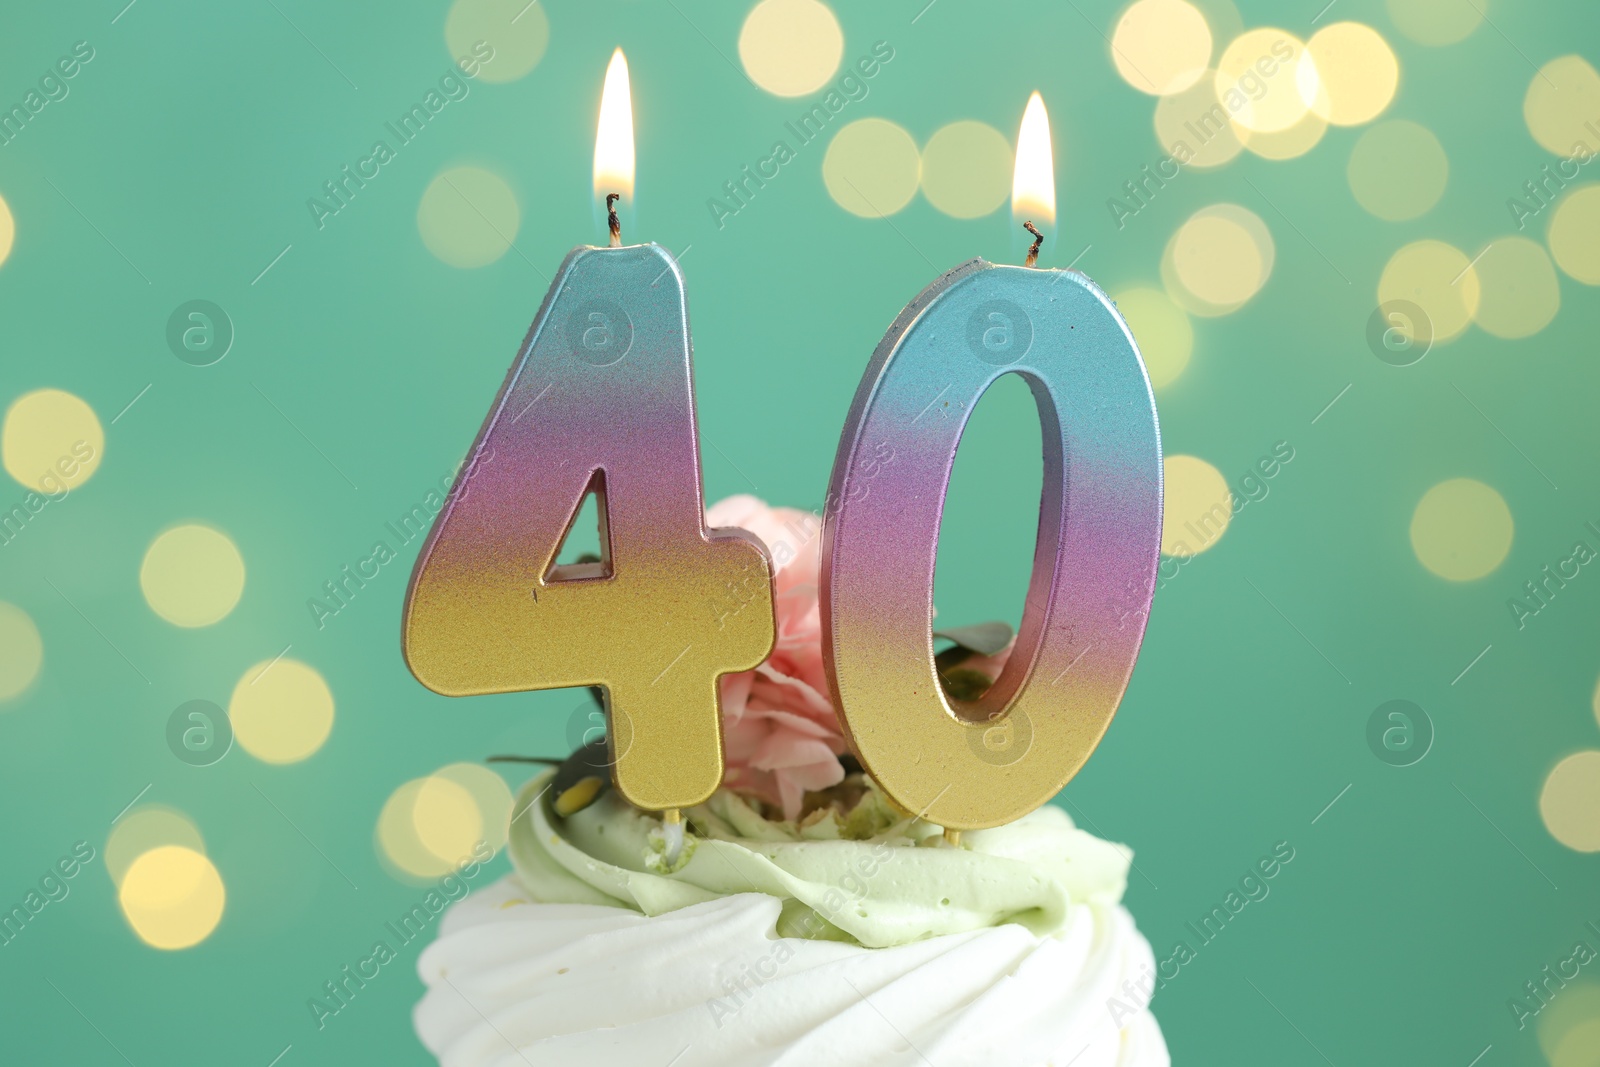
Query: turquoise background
{"points": [[192, 141]]}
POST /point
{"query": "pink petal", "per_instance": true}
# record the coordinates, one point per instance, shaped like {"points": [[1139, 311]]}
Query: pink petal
{"points": [[736, 694], [798, 725], [785, 752], [775, 687]]}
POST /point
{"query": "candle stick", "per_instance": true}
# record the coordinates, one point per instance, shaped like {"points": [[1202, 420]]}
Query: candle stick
{"points": [[598, 401], [972, 764]]}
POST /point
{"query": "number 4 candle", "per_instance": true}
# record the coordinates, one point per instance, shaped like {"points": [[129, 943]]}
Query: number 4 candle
{"points": [[599, 400], [971, 765]]}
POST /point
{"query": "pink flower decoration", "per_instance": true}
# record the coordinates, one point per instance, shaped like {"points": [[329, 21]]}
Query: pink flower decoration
{"points": [[780, 730], [779, 727]]}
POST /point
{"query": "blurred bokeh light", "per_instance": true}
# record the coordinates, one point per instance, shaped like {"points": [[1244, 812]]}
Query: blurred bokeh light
{"points": [[872, 168], [791, 47], [1461, 529], [281, 710], [51, 441], [1197, 506], [192, 575], [172, 896], [21, 651]]}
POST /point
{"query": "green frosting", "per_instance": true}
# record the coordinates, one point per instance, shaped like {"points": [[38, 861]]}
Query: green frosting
{"points": [[870, 876]]}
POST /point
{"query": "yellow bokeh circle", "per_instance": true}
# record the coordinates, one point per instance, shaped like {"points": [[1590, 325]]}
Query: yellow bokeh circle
{"points": [[21, 651], [192, 575], [872, 168], [446, 818], [1219, 258], [1162, 330], [1196, 506], [966, 169], [430, 826], [1461, 530], [281, 711], [1579, 1044], [1438, 278], [791, 47], [1398, 170], [1437, 22], [1193, 127], [468, 217], [1569, 1026], [1295, 141], [1570, 801], [1161, 46], [1352, 75], [173, 897], [1258, 80], [1562, 106], [397, 838], [52, 441], [8, 230], [1519, 290], [144, 829], [506, 37], [1575, 234], [491, 799]]}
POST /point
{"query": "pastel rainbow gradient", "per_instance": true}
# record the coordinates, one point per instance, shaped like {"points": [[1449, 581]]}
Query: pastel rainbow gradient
{"points": [[1094, 567], [487, 613]]}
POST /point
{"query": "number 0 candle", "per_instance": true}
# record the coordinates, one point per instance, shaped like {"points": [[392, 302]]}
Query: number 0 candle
{"points": [[599, 400], [971, 765]]}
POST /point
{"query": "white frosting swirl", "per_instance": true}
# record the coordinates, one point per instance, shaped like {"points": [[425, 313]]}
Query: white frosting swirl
{"points": [[515, 979]]}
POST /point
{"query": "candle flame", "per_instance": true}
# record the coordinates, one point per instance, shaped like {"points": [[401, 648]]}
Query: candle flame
{"points": [[1033, 183], [613, 140]]}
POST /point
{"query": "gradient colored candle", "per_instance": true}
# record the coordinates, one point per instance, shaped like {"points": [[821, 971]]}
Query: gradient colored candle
{"points": [[984, 763], [599, 399]]}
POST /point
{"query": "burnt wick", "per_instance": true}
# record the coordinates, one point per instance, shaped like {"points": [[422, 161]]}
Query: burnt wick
{"points": [[1033, 253]]}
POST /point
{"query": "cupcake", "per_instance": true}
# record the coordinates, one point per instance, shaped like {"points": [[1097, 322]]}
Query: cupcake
{"points": [[805, 920]]}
